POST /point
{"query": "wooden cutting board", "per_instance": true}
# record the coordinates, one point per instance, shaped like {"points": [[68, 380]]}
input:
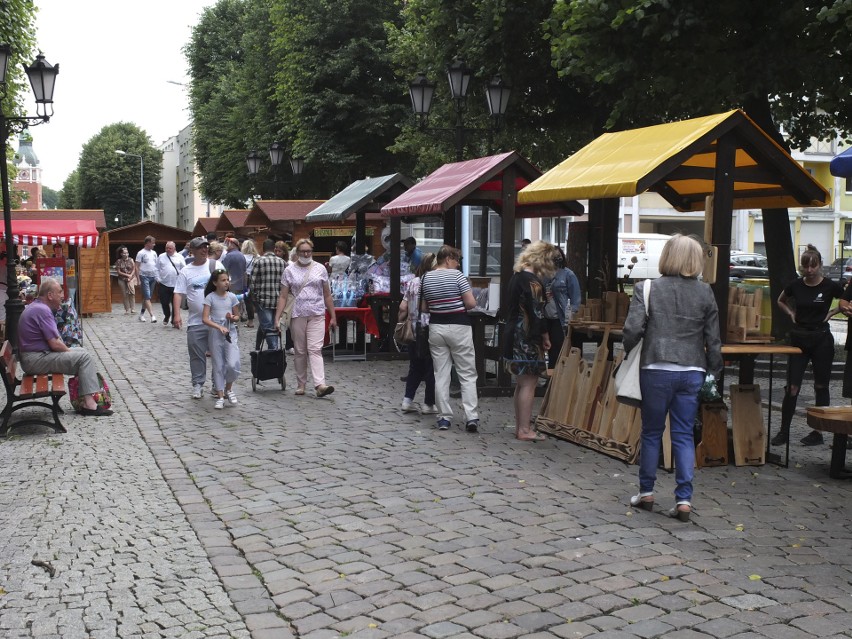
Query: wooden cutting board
{"points": [[747, 425]]}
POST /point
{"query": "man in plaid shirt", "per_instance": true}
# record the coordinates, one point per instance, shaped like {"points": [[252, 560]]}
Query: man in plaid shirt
{"points": [[265, 282]]}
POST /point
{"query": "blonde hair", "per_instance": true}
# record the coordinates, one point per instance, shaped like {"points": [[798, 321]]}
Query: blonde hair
{"points": [[304, 240], [216, 247], [682, 255], [540, 257], [249, 248]]}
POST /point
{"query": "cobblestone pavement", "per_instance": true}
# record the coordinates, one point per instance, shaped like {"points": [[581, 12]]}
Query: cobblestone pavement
{"points": [[302, 517]]}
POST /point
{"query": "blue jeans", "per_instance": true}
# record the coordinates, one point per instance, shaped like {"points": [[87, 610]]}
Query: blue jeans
{"points": [[264, 324], [148, 282], [674, 393]]}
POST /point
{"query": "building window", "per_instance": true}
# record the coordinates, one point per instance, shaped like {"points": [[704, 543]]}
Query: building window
{"points": [[849, 185]]}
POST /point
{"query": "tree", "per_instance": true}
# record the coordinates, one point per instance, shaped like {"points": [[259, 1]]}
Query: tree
{"points": [[69, 195], [335, 88], [651, 61], [548, 117], [110, 182], [50, 198]]}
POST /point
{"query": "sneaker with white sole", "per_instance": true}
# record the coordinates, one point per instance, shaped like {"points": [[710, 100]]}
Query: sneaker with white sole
{"points": [[443, 424], [220, 403], [408, 406], [429, 409], [142, 318], [197, 390], [232, 398], [153, 319]]}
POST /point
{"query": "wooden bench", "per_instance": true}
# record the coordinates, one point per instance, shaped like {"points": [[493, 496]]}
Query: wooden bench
{"points": [[27, 391], [837, 420]]}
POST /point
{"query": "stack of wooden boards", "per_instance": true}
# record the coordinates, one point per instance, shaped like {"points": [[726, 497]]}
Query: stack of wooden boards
{"points": [[580, 405], [609, 310], [744, 307]]}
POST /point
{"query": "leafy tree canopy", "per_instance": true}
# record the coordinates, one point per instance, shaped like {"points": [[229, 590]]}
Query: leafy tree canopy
{"points": [[49, 197], [108, 181], [69, 194]]}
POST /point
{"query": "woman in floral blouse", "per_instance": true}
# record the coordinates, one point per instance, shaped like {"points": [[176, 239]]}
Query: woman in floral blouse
{"points": [[125, 268]]}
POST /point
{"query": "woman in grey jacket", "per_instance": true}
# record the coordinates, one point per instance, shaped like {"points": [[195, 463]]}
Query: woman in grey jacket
{"points": [[681, 344]]}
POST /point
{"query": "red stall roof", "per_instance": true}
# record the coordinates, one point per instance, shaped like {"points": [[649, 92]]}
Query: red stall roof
{"points": [[82, 233], [478, 181]]}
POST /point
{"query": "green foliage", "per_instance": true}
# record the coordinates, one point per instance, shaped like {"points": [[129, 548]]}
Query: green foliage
{"points": [[17, 29], [49, 197], [108, 181], [548, 118], [69, 195]]}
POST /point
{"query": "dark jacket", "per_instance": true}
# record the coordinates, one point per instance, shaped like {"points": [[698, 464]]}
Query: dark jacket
{"points": [[683, 325]]}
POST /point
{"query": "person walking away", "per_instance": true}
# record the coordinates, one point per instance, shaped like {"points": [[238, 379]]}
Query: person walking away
{"points": [[125, 268], [420, 369], [308, 280], [146, 266], [190, 284], [169, 265], [235, 263], [264, 284], [221, 313], [249, 251], [527, 336], [340, 261], [681, 344], [447, 296], [564, 289], [811, 296], [413, 254]]}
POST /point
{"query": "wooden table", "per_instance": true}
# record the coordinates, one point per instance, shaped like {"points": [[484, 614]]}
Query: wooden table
{"points": [[746, 354]]}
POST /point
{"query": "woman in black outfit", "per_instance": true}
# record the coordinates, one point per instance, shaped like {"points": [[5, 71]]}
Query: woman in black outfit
{"points": [[812, 295]]}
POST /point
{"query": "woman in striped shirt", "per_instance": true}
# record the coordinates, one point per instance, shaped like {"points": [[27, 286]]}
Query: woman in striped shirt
{"points": [[447, 296]]}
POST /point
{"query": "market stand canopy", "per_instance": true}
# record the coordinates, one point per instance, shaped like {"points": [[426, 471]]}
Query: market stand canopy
{"points": [[678, 161], [362, 195], [841, 166], [82, 233], [475, 182]]}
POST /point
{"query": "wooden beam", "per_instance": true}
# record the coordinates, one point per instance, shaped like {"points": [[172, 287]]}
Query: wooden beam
{"points": [[723, 199]]}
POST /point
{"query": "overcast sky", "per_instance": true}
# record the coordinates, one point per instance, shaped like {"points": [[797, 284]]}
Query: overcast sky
{"points": [[115, 60]]}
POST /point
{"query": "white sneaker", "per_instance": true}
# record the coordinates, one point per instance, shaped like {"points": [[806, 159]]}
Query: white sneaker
{"points": [[408, 406], [197, 390], [153, 319], [429, 410], [142, 318], [232, 398], [220, 403]]}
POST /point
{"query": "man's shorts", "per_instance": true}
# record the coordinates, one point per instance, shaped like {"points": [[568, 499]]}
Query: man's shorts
{"points": [[148, 282]]}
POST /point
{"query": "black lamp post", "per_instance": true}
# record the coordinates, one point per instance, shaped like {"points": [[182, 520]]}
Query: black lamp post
{"points": [[42, 77], [497, 93], [276, 159]]}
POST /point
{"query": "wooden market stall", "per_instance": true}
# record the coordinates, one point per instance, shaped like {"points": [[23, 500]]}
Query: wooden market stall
{"points": [[492, 181], [725, 159], [205, 225]]}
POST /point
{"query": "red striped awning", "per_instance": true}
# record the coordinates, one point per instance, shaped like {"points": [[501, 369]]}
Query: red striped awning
{"points": [[81, 233]]}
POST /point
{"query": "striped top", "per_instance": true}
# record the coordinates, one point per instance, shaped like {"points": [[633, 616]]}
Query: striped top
{"points": [[443, 289]]}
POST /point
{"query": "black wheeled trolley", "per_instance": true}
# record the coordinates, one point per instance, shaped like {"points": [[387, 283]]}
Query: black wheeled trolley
{"points": [[267, 363]]}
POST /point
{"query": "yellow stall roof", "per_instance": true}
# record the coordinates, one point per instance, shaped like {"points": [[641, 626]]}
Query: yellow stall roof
{"points": [[678, 161]]}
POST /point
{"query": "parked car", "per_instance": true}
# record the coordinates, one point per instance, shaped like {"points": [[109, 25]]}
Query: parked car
{"points": [[748, 266], [840, 270]]}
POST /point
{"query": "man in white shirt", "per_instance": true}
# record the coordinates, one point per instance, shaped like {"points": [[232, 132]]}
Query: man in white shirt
{"points": [[146, 266], [169, 264], [190, 284]]}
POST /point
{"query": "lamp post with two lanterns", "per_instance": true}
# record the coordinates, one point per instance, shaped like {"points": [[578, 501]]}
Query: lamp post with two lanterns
{"points": [[497, 93], [276, 159], [42, 76]]}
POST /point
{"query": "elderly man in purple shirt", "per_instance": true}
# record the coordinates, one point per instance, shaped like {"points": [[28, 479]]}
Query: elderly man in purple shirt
{"points": [[41, 349]]}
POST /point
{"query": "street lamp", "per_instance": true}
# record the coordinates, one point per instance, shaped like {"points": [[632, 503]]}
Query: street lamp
{"points": [[497, 93], [141, 182], [42, 77], [276, 159]]}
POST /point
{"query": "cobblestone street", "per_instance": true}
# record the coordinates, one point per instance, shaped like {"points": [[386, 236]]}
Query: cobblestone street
{"points": [[315, 518]]}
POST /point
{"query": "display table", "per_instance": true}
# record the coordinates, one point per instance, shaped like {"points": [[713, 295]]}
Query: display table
{"points": [[366, 323]]}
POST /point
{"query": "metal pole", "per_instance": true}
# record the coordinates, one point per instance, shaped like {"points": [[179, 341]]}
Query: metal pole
{"points": [[14, 305], [141, 188]]}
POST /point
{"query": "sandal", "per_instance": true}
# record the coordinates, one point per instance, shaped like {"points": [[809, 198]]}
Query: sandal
{"points": [[681, 511], [645, 501], [536, 437], [300, 391]]}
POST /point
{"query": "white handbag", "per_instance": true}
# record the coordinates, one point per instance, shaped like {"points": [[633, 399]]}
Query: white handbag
{"points": [[627, 389]]}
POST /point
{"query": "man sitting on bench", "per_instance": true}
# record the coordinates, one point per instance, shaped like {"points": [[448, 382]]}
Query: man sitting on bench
{"points": [[41, 349]]}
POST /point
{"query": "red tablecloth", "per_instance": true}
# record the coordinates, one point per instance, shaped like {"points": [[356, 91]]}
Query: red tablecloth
{"points": [[363, 315]]}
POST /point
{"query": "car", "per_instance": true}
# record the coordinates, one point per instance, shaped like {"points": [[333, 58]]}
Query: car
{"points": [[840, 270], [748, 266]]}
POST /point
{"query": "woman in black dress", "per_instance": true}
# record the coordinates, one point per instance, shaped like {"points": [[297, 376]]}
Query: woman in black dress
{"points": [[527, 339], [811, 296]]}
